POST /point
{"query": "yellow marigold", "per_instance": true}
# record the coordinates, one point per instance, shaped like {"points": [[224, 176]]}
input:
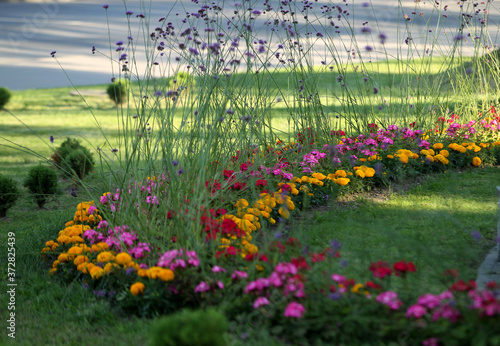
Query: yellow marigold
{"points": [[104, 257], [476, 161], [445, 153], [424, 152], [45, 249], [331, 176], [438, 146], [360, 173], [76, 239], [369, 172], [123, 258], [166, 275], [80, 259], [241, 203], [414, 156], [55, 246], [52, 271], [390, 156], [362, 160], [154, 272], [476, 148], [304, 179], [290, 205], [272, 221], [49, 243], [55, 264], [284, 212], [96, 272], [340, 173], [342, 181], [143, 273], [86, 267], [484, 145], [349, 173], [265, 214], [403, 158], [137, 288], [63, 239], [356, 288], [69, 223], [295, 192], [75, 250], [62, 257], [319, 176], [429, 158], [109, 267]]}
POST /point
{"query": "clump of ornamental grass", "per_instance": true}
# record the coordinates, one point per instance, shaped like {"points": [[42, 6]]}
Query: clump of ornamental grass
{"points": [[42, 183], [8, 194], [5, 96], [199, 327]]}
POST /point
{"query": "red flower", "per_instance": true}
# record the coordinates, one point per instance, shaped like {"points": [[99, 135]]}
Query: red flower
{"points": [[261, 182], [402, 267], [238, 186], [371, 284], [300, 263], [293, 242], [462, 286], [318, 257], [451, 272], [380, 269], [227, 173]]}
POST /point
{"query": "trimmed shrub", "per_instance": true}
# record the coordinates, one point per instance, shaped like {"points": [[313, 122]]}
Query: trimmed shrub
{"points": [[4, 96], [8, 194], [117, 91], [73, 158], [42, 184], [188, 327]]}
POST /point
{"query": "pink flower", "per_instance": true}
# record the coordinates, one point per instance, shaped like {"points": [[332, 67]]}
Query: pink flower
{"points": [[91, 210], [285, 268], [431, 342], [239, 275], [275, 279], [390, 299], [260, 302], [217, 269], [103, 200], [416, 311], [294, 310], [202, 287], [220, 285], [428, 300], [338, 278]]}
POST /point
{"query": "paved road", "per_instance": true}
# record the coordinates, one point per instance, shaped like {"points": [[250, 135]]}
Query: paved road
{"points": [[29, 31]]}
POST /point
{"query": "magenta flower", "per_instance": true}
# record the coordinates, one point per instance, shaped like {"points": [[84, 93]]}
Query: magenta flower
{"points": [[294, 310], [239, 275], [91, 210], [217, 269], [416, 311], [202, 287], [260, 302], [390, 299]]}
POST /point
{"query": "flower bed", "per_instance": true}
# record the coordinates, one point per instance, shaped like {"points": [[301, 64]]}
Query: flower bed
{"points": [[292, 290]]}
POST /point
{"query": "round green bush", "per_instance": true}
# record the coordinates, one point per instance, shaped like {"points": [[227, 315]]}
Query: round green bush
{"points": [[8, 194], [188, 327], [4, 96], [117, 91], [73, 158], [41, 183]]}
